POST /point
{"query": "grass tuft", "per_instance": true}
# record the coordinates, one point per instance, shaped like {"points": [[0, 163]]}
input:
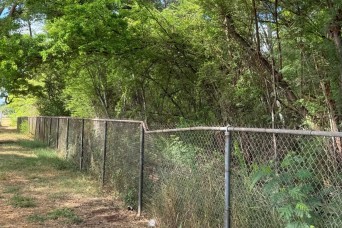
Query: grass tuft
{"points": [[60, 213], [22, 201], [37, 218]]}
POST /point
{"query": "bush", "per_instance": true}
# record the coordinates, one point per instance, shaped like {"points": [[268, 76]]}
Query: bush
{"points": [[290, 190]]}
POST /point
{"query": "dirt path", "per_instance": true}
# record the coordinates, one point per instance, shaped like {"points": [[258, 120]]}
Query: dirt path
{"points": [[37, 189]]}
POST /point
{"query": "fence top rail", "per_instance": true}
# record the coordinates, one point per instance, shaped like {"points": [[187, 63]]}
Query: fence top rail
{"points": [[203, 128], [187, 129], [286, 131], [256, 130], [91, 119]]}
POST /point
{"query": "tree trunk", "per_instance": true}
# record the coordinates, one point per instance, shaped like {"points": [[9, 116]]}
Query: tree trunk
{"points": [[263, 66], [335, 30], [333, 122]]}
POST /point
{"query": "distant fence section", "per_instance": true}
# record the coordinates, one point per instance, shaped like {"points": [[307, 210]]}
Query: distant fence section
{"points": [[207, 176]]}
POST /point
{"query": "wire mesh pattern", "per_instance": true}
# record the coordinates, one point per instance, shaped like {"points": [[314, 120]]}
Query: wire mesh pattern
{"points": [[108, 150], [184, 178], [282, 180], [74, 143], [122, 160], [277, 178]]}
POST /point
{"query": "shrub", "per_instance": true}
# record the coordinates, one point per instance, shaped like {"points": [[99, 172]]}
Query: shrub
{"points": [[290, 190]]}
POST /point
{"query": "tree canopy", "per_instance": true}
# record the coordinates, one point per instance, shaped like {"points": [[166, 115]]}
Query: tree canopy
{"points": [[268, 63]]}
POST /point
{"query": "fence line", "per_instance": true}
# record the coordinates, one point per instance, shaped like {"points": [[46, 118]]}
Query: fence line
{"points": [[206, 128], [269, 177]]}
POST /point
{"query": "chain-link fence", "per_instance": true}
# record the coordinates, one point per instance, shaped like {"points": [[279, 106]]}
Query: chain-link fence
{"points": [[208, 176], [184, 177], [108, 149], [286, 180]]}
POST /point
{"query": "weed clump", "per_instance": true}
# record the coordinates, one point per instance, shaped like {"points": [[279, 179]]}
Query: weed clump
{"points": [[69, 216], [22, 201]]}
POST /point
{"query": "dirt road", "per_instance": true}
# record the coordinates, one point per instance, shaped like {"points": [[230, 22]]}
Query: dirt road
{"points": [[37, 189]]}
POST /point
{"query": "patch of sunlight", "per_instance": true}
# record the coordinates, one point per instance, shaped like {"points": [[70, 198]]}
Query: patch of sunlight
{"points": [[15, 153]]}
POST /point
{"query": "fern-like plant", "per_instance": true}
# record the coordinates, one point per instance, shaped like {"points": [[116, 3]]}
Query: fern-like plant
{"points": [[290, 188]]}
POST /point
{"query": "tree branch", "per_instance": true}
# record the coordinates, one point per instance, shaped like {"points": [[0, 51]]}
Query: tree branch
{"points": [[262, 65]]}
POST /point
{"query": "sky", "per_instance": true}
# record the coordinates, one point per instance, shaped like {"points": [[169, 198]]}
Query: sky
{"points": [[36, 25]]}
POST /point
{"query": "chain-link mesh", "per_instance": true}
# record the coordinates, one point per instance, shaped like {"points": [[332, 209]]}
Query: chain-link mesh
{"points": [[32, 125], [283, 180], [93, 144], [184, 178], [74, 143], [62, 134], [122, 159], [109, 150], [277, 179]]}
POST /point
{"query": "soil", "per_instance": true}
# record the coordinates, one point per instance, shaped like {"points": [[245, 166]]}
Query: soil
{"points": [[100, 209]]}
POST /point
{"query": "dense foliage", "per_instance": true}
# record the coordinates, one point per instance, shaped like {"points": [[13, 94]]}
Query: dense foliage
{"points": [[268, 63]]}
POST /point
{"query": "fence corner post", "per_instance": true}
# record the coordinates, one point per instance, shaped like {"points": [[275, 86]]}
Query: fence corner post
{"points": [[227, 155], [141, 175]]}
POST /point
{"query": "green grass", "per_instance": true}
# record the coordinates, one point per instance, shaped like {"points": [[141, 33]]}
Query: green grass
{"points": [[22, 201], [67, 214], [37, 218], [31, 144], [38, 159]]}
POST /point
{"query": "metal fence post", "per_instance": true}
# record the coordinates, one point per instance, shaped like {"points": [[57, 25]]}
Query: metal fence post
{"points": [[82, 150], [141, 177], [67, 140], [45, 130], [104, 153], [49, 143], [43, 120], [36, 128], [228, 142], [40, 129], [18, 123], [57, 135]]}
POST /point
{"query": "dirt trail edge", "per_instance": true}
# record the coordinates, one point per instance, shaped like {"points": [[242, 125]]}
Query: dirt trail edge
{"points": [[37, 189]]}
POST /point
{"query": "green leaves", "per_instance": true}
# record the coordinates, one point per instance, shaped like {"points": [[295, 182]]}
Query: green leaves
{"points": [[260, 173], [290, 190]]}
